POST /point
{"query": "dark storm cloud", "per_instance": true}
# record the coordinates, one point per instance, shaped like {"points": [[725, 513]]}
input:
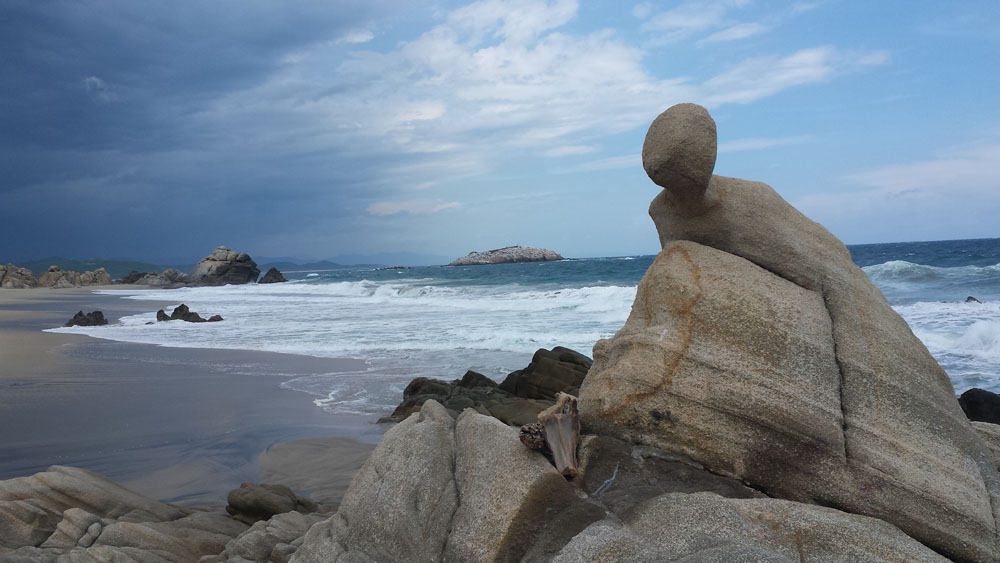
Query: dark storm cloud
{"points": [[110, 118]]}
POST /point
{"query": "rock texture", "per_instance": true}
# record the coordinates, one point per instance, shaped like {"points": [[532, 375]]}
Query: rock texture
{"points": [[253, 502], [223, 266], [69, 514], [169, 278], [13, 277], [756, 347], [268, 541], [94, 318], [273, 276], [507, 255], [517, 401]]}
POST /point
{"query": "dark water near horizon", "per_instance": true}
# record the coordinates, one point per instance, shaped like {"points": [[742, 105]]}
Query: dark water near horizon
{"points": [[439, 321]]}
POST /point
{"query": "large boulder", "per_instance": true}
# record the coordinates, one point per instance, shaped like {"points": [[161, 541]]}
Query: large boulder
{"points": [[273, 276], [223, 266], [559, 370], [13, 277], [169, 278], [253, 502], [756, 347], [93, 318], [437, 489], [99, 276], [56, 277]]}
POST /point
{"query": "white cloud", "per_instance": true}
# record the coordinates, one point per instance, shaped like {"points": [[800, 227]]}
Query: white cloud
{"points": [[570, 150], [99, 89], [357, 36], [951, 196], [759, 77], [684, 20], [613, 162], [761, 143], [738, 31], [414, 207]]}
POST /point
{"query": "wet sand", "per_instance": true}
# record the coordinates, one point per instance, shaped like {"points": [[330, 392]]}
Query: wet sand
{"points": [[177, 424]]}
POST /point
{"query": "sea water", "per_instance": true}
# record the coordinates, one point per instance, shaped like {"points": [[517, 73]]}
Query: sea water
{"points": [[441, 321]]}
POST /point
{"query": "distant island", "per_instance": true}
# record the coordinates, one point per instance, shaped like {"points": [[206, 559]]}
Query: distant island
{"points": [[507, 255]]}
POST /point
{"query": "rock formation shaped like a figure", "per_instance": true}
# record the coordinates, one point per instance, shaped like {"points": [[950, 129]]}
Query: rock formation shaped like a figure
{"points": [[223, 266], [757, 348]]}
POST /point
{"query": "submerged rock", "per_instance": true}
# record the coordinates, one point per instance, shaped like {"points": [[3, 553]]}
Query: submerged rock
{"points": [[759, 349], [507, 255], [94, 318], [272, 276], [14, 277], [223, 266]]}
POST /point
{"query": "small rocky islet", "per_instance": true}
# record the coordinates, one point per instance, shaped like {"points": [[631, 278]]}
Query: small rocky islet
{"points": [[761, 402], [507, 255]]}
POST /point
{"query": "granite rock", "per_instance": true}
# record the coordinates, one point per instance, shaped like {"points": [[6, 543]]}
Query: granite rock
{"points": [[253, 502], [94, 318], [273, 276], [981, 405], [224, 266], [757, 348], [14, 277]]}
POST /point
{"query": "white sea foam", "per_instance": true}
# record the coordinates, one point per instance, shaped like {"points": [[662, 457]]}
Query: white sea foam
{"points": [[406, 328]]}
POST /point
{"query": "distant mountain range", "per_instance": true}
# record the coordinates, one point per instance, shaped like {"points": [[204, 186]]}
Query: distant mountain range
{"points": [[120, 268]]}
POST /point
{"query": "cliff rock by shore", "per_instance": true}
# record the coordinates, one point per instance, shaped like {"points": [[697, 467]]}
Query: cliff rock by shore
{"points": [[507, 255], [223, 266]]}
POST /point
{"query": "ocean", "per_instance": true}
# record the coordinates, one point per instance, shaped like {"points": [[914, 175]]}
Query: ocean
{"points": [[441, 321]]}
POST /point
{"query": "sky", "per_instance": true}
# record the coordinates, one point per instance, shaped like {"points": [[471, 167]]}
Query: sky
{"points": [[312, 129]]}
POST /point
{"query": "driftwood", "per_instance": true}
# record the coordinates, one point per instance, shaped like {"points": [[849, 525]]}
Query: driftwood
{"points": [[558, 431]]}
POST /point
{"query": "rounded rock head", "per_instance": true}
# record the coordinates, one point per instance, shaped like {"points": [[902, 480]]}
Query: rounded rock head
{"points": [[679, 151]]}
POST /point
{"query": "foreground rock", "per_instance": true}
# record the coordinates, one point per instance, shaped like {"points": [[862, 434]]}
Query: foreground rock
{"points": [[254, 502], [223, 266], [507, 255], [14, 277], [182, 313], [273, 276], [516, 401], [94, 318], [756, 347], [69, 514], [58, 278]]}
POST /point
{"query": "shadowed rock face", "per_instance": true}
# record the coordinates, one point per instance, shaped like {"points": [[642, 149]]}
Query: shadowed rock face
{"points": [[756, 347], [223, 266]]}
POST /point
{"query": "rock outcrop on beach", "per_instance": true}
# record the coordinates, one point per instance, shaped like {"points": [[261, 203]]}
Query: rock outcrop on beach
{"points": [[273, 276], [183, 313], [981, 405], [70, 514], [253, 502], [13, 277], [56, 277], [94, 318], [223, 266], [507, 255], [517, 401], [757, 348]]}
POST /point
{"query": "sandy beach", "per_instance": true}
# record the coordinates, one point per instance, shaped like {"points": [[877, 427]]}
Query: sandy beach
{"points": [[177, 424]]}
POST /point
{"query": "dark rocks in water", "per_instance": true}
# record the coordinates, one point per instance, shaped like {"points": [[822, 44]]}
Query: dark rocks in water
{"points": [[981, 405], [182, 313], [971, 299], [507, 255], [517, 401], [549, 373], [272, 276], [253, 502], [94, 318], [223, 266]]}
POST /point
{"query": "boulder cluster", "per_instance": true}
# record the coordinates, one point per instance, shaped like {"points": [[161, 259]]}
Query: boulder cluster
{"points": [[507, 255], [13, 277], [516, 401], [183, 313]]}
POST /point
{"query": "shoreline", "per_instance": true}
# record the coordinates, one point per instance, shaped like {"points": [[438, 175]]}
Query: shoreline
{"points": [[182, 425]]}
